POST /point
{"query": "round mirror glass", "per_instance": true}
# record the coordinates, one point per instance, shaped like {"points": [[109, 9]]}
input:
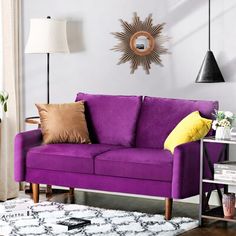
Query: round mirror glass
{"points": [[142, 43]]}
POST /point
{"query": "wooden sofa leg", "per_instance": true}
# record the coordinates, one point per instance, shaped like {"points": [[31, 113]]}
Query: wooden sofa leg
{"points": [[71, 196], [49, 190], [168, 208], [71, 191], [35, 189]]}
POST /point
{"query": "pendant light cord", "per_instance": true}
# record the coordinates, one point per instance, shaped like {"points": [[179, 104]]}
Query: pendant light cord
{"points": [[209, 25]]}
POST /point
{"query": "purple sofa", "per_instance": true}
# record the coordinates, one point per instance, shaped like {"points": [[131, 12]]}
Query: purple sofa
{"points": [[126, 154]]}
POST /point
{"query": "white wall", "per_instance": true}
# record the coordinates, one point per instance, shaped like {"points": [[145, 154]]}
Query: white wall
{"points": [[92, 67]]}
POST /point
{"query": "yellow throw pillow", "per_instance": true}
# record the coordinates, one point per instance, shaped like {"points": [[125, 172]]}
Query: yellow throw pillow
{"points": [[193, 127], [63, 123]]}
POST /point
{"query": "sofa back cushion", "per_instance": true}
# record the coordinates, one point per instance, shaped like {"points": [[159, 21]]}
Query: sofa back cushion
{"points": [[111, 119], [159, 116]]}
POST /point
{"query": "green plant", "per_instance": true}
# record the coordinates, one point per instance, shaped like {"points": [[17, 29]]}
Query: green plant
{"points": [[3, 99]]}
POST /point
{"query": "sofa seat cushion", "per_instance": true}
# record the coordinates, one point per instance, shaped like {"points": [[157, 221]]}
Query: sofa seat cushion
{"points": [[111, 119], [66, 157], [140, 163]]}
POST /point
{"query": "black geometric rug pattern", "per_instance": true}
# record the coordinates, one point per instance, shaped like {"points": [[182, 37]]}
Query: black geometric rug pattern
{"points": [[104, 222]]}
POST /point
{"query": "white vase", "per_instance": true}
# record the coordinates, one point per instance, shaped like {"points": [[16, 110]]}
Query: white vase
{"points": [[223, 133]]}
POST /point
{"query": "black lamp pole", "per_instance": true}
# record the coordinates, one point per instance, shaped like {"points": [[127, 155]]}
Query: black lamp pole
{"points": [[209, 71], [48, 87], [209, 25], [48, 98]]}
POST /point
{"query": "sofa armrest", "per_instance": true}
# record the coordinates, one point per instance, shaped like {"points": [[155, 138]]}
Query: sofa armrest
{"points": [[186, 168], [23, 142]]}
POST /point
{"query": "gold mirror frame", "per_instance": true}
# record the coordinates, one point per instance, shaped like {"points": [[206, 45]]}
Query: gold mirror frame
{"points": [[129, 48]]}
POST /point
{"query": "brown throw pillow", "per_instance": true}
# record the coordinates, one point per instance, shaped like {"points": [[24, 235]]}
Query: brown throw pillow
{"points": [[63, 123]]}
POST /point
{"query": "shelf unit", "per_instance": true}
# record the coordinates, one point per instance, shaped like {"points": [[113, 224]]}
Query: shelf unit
{"points": [[205, 212], [217, 214]]}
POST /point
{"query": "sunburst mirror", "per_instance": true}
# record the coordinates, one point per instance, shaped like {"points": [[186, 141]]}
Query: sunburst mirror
{"points": [[141, 43]]}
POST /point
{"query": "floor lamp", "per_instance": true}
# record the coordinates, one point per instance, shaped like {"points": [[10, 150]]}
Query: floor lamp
{"points": [[47, 36]]}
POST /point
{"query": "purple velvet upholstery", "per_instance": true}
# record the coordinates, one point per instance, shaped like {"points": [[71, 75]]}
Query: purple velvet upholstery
{"points": [[113, 164], [23, 142], [140, 163], [111, 119], [66, 157], [98, 182], [186, 168], [159, 116]]}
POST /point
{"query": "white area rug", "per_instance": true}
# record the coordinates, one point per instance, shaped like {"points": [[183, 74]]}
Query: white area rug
{"points": [[103, 222]]}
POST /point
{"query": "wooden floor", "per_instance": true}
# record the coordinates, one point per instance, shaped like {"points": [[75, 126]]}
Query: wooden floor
{"points": [[140, 204]]}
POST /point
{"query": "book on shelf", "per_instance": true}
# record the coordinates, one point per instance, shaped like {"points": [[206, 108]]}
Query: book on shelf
{"points": [[224, 177], [73, 223], [225, 172], [225, 165]]}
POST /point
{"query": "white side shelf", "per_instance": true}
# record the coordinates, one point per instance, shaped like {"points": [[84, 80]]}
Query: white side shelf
{"points": [[219, 182]]}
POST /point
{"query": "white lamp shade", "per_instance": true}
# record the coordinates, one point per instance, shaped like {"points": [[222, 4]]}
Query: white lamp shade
{"points": [[47, 36]]}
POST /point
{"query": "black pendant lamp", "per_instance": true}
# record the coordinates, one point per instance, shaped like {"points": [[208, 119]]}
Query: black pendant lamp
{"points": [[209, 72]]}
